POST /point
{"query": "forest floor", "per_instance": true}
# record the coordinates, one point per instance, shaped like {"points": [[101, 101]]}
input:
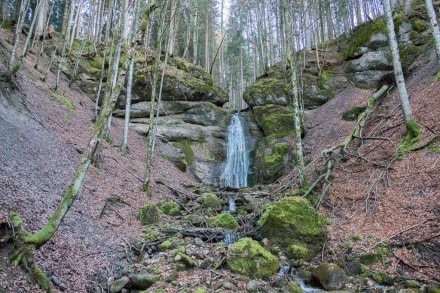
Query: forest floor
{"points": [[373, 198]]}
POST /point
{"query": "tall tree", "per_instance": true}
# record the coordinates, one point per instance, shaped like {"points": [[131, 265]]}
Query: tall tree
{"points": [[397, 65], [434, 26]]}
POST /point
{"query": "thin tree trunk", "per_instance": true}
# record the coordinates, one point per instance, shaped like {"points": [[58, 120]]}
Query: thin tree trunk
{"points": [[398, 72], [111, 7], [152, 124], [128, 105], [195, 38], [434, 26], [12, 66], [4, 10]]}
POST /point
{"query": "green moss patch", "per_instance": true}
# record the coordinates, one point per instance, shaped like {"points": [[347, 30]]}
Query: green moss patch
{"points": [[224, 220], [292, 222], [211, 201], [271, 166], [248, 257], [62, 100], [361, 35], [352, 114], [412, 137], [185, 147], [148, 214], [275, 121], [169, 208]]}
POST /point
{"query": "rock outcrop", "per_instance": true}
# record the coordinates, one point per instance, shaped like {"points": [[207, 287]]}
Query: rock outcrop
{"points": [[191, 122]]}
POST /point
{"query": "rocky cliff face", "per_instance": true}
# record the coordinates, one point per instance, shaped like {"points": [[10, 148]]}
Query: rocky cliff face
{"points": [[191, 122], [361, 59]]}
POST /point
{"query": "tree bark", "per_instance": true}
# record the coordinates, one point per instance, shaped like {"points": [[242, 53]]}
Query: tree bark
{"points": [[398, 72], [41, 18], [434, 26]]}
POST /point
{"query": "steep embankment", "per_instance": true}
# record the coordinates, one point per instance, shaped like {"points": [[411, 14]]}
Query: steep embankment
{"points": [[43, 131]]}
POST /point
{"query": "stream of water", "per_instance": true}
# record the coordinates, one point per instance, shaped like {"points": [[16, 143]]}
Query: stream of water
{"points": [[237, 156]]}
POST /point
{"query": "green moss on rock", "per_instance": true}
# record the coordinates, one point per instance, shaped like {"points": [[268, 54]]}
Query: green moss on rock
{"points": [[298, 251], [185, 147], [361, 35], [353, 113], [292, 222], [271, 166], [224, 220], [248, 257], [274, 120], [211, 201], [148, 214], [169, 208]]}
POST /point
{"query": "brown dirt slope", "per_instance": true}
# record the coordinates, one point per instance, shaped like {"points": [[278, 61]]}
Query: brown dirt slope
{"points": [[376, 198], [41, 141]]}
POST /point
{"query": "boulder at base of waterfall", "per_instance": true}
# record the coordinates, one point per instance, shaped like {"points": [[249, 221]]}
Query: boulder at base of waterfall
{"points": [[293, 223], [248, 257], [330, 276]]}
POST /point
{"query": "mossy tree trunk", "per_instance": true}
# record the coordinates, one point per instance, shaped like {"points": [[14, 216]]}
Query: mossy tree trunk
{"points": [[26, 243]]}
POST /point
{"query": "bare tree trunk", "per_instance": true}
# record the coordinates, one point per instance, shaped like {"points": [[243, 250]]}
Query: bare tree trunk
{"points": [[41, 18], [74, 33], [4, 10], [434, 25], [111, 7], [12, 66], [207, 41], [398, 72], [128, 105], [196, 38], [153, 100]]}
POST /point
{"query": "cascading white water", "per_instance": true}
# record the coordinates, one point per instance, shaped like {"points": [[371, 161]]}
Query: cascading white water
{"points": [[237, 156]]}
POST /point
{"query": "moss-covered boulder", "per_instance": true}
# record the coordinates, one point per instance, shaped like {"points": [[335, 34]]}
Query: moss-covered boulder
{"points": [[274, 120], [224, 220], [148, 214], [271, 161], [267, 90], [210, 201], [330, 276], [294, 224], [248, 257], [169, 207]]}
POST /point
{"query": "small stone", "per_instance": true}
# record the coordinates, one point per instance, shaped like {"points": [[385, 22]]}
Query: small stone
{"points": [[368, 282], [171, 277], [205, 264], [143, 281], [229, 286], [117, 285], [279, 282], [253, 286], [412, 284]]}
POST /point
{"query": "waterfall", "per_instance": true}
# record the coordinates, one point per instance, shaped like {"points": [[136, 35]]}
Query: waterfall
{"points": [[237, 157]]}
